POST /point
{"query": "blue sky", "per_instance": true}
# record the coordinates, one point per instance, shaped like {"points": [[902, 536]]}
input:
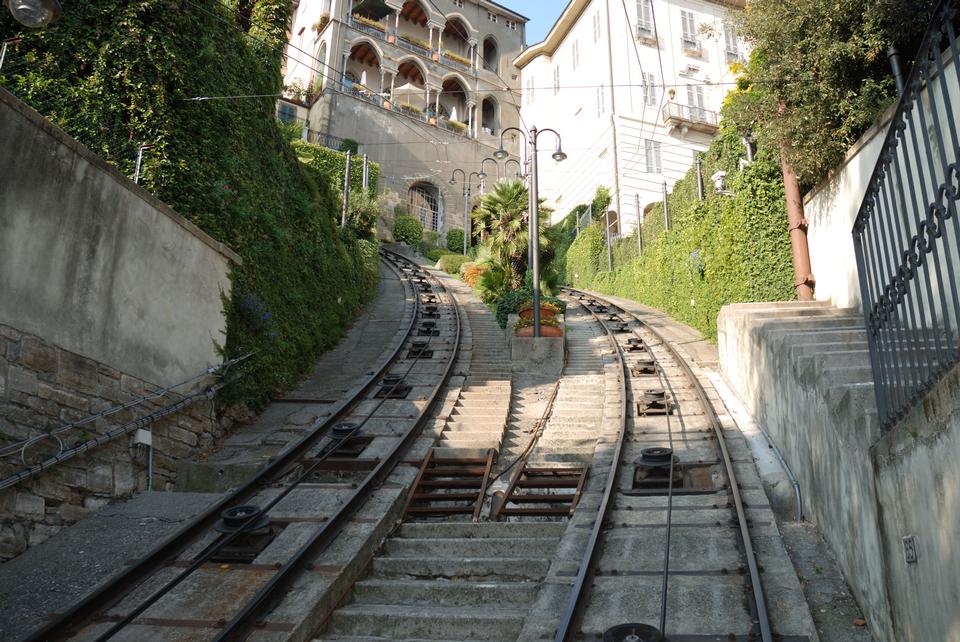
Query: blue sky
{"points": [[542, 14]]}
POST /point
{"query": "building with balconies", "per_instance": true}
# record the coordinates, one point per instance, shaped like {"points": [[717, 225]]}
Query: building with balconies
{"points": [[424, 87], [635, 91]]}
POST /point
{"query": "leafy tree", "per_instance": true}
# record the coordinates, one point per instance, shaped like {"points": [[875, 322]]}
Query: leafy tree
{"points": [[504, 212], [408, 229], [819, 74]]}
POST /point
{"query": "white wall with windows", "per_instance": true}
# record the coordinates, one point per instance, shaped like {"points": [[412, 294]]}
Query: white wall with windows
{"points": [[605, 73]]}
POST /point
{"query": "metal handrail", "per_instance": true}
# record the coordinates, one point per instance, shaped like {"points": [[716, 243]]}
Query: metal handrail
{"points": [[906, 245], [691, 114]]}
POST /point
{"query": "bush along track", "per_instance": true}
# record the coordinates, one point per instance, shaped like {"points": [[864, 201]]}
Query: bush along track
{"points": [[729, 248], [116, 74]]}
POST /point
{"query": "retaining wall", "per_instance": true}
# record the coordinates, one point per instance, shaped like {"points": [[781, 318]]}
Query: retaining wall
{"points": [[105, 293], [803, 372]]}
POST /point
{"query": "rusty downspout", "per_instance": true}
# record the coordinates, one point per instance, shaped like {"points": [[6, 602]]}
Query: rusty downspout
{"points": [[803, 280]]}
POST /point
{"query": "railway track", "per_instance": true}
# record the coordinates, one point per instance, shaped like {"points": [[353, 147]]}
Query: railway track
{"points": [[217, 577], [670, 552]]}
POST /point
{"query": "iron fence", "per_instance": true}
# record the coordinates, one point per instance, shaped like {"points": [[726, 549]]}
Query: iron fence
{"points": [[907, 230]]}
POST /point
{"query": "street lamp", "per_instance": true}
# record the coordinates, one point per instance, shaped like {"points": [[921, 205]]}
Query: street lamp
{"points": [[466, 201], [35, 13], [519, 166], [483, 174], [534, 225]]}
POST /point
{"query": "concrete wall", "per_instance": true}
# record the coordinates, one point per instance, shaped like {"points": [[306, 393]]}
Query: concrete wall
{"points": [[105, 294], [802, 370], [96, 265]]}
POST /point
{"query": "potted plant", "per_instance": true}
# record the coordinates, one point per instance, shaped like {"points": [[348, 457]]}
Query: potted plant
{"points": [[548, 310], [548, 327]]}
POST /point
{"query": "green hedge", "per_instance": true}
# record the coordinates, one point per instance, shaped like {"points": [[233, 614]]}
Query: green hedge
{"points": [[455, 240], [436, 253], [333, 164], [117, 73], [726, 249], [451, 263], [408, 229]]}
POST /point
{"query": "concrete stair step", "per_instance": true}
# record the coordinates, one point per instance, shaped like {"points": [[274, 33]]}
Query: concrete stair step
{"points": [[459, 452], [457, 548], [482, 530], [415, 592], [516, 569], [430, 622], [471, 425]]}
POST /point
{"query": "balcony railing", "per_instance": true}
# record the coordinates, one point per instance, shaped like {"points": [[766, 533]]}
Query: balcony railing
{"points": [[405, 43], [733, 55], [378, 32], [907, 233], [696, 118], [691, 47], [645, 32], [382, 100], [447, 59]]}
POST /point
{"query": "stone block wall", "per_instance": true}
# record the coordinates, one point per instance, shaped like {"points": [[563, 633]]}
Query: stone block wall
{"points": [[43, 387]]}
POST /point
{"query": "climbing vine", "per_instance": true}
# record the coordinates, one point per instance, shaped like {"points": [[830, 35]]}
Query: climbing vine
{"points": [[727, 248], [196, 79]]}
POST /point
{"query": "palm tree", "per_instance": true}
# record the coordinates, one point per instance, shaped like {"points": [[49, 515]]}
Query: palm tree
{"points": [[504, 213]]}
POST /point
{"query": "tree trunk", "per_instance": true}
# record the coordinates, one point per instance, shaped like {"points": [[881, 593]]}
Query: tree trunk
{"points": [[803, 280]]}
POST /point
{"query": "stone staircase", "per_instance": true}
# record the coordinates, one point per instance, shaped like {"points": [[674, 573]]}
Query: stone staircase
{"points": [[449, 581]]}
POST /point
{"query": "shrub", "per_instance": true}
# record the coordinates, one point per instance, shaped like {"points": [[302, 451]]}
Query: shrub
{"points": [[472, 272], [494, 283], [408, 229], [455, 240], [349, 145], [512, 302], [451, 263], [436, 253]]}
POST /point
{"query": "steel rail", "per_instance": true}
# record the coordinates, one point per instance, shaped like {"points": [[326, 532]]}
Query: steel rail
{"points": [[759, 600], [575, 603], [243, 621], [109, 593]]}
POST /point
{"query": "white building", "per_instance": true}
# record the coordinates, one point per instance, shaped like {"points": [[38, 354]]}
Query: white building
{"points": [[424, 86], [634, 92]]}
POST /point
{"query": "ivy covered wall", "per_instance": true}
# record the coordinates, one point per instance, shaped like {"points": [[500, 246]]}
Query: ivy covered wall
{"points": [[117, 74], [729, 248]]}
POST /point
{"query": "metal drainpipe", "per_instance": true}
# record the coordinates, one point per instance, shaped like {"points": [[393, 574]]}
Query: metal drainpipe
{"points": [[893, 54], [666, 215], [639, 225], [606, 220], [804, 282], [613, 111], [699, 178]]}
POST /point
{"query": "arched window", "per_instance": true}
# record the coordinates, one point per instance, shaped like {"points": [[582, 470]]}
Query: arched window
{"points": [[319, 72], [425, 205], [491, 55], [490, 118]]}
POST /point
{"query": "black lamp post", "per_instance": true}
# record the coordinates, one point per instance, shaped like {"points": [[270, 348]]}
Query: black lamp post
{"points": [[558, 156], [466, 202]]}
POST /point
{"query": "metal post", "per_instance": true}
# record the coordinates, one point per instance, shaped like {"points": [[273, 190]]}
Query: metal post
{"points": [[666, 215], [366, 174], [136, 172], [606, 220], [636, 198], [466, 215], [699, 178], [3, 53], [346, 192], [535, 231], [529, 214], [894, 55]]}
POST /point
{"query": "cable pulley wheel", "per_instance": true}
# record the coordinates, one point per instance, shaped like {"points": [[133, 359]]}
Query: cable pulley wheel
{"points": [[236, 519], [632, 633]]}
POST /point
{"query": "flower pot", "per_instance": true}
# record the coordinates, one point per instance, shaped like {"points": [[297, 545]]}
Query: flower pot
{"points": [[432, 120], [545, 331], [392, 38], [387, 104], [545, 313], [436, 56]]}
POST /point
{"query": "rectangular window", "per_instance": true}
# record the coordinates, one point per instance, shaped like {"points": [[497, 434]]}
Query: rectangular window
{"points": [[492, 17], [644, 18], [732, 46], [286, 112], [576, 54], [695, 100], [650, 90], [651, 150], [510, 24], [689, 40], [458, 3], [556, 80], [529, 90]]}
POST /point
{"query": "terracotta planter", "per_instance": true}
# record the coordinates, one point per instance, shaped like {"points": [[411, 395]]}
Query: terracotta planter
{"points": [[545, 313], [387, 104], [545, 331], [392, 38], [432, 120], [436, 56]]}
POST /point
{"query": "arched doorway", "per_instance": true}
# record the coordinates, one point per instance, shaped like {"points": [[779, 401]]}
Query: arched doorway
{"points": [[490, 116], [491, 55], [425, 204]]}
